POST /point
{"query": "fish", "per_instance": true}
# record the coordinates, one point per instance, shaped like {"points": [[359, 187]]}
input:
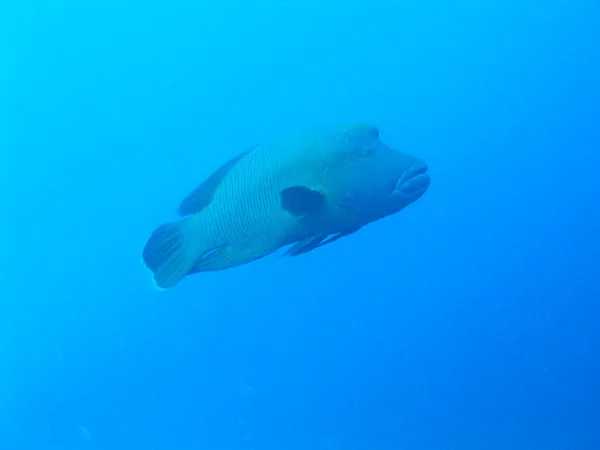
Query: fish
{"points": [[302, 191]]}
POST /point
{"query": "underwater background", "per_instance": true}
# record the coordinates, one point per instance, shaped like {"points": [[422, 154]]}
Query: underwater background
{"points": [[469, 320]]}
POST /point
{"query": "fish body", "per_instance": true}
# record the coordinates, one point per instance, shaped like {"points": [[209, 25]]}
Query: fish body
{"points": [[303, 190]]}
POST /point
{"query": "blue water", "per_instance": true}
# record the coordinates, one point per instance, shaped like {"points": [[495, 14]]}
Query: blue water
{"points": [[470, 320]]}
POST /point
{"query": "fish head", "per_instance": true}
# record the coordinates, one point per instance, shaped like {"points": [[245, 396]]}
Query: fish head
{"points": [[370, 180]]}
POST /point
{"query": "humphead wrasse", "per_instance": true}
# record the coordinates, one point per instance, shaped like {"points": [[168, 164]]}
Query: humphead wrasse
{"points": [[304, 190]]}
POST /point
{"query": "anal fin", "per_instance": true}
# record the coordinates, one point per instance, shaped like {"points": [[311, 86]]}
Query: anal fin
{"points": [[305, 245], [224, 257]]}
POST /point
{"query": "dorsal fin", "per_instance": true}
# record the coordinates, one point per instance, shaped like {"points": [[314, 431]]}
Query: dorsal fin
{"points": [[200, 197]]}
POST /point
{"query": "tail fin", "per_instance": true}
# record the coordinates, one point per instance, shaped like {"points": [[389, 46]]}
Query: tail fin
{"points": [[168, 255]]}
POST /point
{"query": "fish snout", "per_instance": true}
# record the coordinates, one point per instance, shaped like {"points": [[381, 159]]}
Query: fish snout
{"points": [[413, 182]]}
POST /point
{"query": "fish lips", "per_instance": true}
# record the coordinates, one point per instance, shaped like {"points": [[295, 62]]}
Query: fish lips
{"points": [[413, 183]]}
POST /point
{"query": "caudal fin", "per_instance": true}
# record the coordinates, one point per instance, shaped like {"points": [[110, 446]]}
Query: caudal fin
{"points": [[168, 255]]}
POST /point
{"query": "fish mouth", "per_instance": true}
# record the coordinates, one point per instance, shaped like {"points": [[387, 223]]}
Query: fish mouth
{"points": [[414, 182]]}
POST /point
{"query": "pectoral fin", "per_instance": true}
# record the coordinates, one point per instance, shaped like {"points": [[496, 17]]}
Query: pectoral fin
{"points": [[304, 246], [300, 200], [314, 242]]}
